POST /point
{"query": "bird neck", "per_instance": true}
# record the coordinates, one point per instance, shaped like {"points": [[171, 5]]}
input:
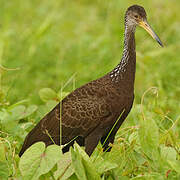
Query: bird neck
{"points": [[124, 72]]}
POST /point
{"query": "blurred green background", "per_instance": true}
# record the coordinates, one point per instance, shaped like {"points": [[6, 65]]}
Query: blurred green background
{"points": [[44, 43], [52, 40]]}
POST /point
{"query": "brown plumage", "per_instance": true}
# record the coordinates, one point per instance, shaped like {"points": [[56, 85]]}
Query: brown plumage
{"points": [[90, 111]]}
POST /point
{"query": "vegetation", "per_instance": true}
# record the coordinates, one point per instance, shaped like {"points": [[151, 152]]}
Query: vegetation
{"points": [[64, 44]]}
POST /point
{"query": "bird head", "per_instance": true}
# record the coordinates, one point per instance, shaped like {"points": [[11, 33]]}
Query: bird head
{"points": [[136, 16]]}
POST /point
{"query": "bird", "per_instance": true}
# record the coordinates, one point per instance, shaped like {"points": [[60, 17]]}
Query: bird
{"points": [[95, 111]]}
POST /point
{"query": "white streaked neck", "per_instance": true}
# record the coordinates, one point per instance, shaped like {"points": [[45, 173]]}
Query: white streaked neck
{"points": [[128, 60]]}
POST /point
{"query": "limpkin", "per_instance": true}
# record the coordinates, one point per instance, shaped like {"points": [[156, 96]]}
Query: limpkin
{"points": [[90, 112]]}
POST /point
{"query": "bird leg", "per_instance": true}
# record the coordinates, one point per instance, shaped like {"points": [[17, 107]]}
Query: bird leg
{"points": [[109, 140], [91, 141]]}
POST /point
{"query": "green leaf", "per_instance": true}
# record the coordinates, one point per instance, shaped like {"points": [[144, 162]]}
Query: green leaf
{"points": [[9, 119], [13, 114], [64, 167], [62, 95], [47, 94], [83, 154], [78, 165], [25, 126], [30, 110], [18, 112], [18, 103], [4, 172], [2, 152], [118, 156], [134, 139], [50, 105], [44, 109], [149, 137], [133, 136], [149, 176], [91, 171], [175, 165], [103, 165], [73, 177], [38, 160], [168, 153]]}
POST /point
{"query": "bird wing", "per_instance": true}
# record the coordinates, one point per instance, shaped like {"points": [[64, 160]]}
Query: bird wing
{"points": [[79, 113]]}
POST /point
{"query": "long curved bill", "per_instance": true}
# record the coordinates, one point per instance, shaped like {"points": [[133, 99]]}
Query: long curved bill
{"points": [[147, 27]]}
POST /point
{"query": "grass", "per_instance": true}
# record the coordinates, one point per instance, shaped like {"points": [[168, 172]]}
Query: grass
{"points": [[44, 43]]}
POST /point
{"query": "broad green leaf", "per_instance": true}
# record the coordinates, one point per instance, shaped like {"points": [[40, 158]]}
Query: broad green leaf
{"points": [[4, 172], [103, 165], [64, 167], [51, 104], [9, 119], [90, 169], [47, 94], [44, 109], [117, 173], [168, 153], [109, 178], [140, 158], [117, 156], [73, 177], [38, 160], [78, 165], [83, 154], [18, 103], [149, 137], [18, 112], [30, 110], [13, 114], [26, 125]]}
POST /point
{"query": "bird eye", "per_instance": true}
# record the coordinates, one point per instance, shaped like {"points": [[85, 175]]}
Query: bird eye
{"points": [[136, 16]]}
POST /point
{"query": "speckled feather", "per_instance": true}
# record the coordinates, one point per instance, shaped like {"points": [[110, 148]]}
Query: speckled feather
{"points": [[90, 111]]}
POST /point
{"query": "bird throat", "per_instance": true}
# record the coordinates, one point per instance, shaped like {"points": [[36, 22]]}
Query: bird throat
{"points": [[124, 72]]}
